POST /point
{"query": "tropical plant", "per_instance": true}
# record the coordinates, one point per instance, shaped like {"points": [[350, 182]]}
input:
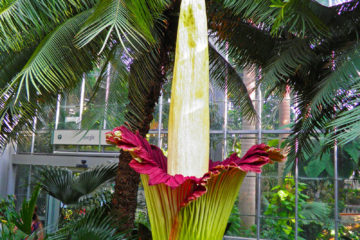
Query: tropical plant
{"points": [[95, 224], [69, 187], [279, 212], [16, 225], [304, 46]]}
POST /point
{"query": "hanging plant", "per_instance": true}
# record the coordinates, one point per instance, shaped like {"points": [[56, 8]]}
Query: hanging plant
{"points": [[187, 196]]}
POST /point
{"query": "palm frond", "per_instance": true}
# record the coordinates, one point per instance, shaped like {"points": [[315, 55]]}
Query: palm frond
{"points": [[26, 212], [226, 76], [96, 224], [298, 17], [114, 75], [344, 76], [63, 185], [147, 74], [52, 68], [24, 22], [91, 179], [247, 44], [291, 57], [144, 89], [317, 211], [12, 63], [129, 21], [346, 125], [17, 121]]}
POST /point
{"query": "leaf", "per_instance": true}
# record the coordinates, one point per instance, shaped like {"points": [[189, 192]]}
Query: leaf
{"points": [[129, 21], [315, 168], [27, 211], [63, 185]]}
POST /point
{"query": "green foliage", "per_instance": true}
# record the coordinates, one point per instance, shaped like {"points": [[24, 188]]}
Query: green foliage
{"points": [[127, 20], [96, 224], [8, 216], [319, 162], [279, 221], [63, 185], [24, 219], [234, 222], [17, 225]]}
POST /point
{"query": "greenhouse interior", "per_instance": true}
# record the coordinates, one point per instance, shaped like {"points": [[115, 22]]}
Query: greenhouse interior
{"points": [[111, 110]]}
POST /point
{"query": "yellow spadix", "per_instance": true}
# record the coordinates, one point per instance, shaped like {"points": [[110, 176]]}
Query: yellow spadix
{"points": [[188, 139]]}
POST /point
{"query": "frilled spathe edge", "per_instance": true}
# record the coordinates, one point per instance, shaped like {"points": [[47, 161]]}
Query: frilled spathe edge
{"points": [[150, 160]]}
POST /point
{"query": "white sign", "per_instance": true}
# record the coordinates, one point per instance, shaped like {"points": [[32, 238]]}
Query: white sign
{"points": [[76, 137]]}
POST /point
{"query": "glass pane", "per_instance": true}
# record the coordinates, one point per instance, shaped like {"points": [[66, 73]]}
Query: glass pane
{"points": [[21, 183], [270, 115], [240, 143], [216, 147], [66, 148], [111, 148], [217, 110], [234, 117], [88, 148], [43, 139], [70, 110]]}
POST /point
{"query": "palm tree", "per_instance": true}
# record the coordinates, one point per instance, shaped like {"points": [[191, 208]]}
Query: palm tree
{"points": [[312, 49], [69, 189], [247, 195]]}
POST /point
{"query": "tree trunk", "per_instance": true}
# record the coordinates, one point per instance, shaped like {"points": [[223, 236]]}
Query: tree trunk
{"points": [[125, 196], [247, 196], [139, 117], [284, 119], [127, 181]]}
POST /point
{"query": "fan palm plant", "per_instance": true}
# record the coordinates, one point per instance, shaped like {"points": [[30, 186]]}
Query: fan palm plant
{"points": [[62, 184]]}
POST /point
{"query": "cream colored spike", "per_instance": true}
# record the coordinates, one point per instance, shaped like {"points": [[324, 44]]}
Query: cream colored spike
{"points": [[188, 139]]}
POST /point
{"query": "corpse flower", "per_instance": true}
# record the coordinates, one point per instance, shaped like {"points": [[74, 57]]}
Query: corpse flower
{"points": [[187, 207], [188, 197]]}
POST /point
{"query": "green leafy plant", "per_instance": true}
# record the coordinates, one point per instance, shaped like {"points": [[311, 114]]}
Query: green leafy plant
{"points": [[24, 219], [69, 188], [279, 222], [7, 219], [16, 225]]}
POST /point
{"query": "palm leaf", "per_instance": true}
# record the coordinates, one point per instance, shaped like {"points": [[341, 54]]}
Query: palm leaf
{"points": [[114, 70], [24, 22], [316, 211], [27, 211], [52, 68], [63, 185], [129, 21], [96, 224], [226, 76], [246, 44], [298, 16], [346, 125]]}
